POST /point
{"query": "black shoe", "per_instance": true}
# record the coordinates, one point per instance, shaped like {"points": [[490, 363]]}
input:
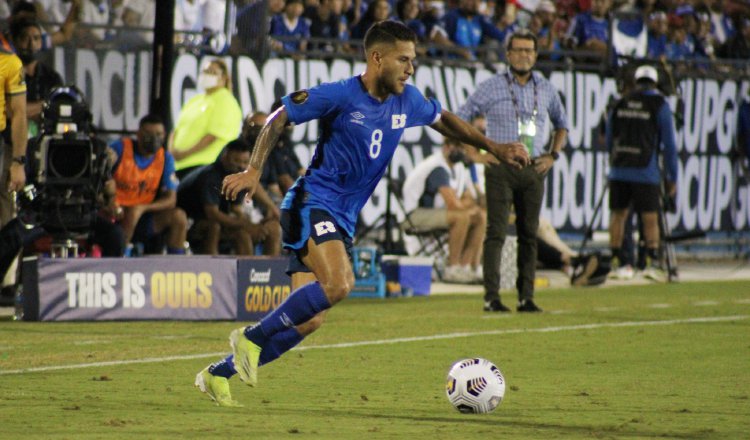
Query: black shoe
{"points": [[527, 305], [495, 306]]}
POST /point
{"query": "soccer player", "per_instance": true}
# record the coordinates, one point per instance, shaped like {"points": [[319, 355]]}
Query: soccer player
{"points": [[361, 121]]}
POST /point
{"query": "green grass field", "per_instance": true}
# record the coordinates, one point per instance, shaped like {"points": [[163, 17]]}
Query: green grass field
{"points": [[667, 361]]}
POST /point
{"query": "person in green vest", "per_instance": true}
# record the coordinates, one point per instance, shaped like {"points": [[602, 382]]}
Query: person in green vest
{"points": [[207, 122]]}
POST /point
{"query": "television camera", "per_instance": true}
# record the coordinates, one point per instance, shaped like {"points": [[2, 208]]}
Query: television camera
{"points": [[67, 167]]}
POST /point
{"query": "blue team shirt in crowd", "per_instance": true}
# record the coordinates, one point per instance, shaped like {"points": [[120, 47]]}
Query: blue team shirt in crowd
{"points": [[585, 27], [657, 45], [280, 28], [358, 136], [470, 31], [167, 182]]}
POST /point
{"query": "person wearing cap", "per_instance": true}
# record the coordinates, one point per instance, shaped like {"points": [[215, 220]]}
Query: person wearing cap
{"points": [[516, 104], [543, 25], [639, 128]]}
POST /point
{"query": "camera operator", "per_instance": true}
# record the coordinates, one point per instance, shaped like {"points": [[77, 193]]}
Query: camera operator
{"points": [[639, 126]]}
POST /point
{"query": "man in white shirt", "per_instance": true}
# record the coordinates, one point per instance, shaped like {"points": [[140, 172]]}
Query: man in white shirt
{"points": [[438, 193]]}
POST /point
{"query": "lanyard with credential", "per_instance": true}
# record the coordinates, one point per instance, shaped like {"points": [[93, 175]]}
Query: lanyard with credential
{"points": [[526, 129], [515, 100]]}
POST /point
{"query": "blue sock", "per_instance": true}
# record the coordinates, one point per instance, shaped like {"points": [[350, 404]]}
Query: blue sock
{"points": [[299, 307], [223, 368], [175, 251], [279, 344]]}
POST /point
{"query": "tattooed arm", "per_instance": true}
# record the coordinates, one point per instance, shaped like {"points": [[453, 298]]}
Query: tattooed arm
{"points": [[250, 178]]}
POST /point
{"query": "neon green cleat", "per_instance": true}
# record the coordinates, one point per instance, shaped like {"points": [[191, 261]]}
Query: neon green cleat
{"points": [[246, 355], [216, 387]]}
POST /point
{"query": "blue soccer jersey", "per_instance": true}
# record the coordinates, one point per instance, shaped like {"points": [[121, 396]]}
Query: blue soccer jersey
{"points": [[358, 136]]}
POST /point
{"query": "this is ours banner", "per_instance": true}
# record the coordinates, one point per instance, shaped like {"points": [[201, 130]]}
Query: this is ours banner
{"points": [[710, 197]]}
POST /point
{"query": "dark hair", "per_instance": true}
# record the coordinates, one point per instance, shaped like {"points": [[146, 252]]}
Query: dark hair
{"points": [[23, 6], [369, 15], [238, 145], [250, 130], [400, 7], [150, 118], [521, 34], [19, 24], [389, 32]]}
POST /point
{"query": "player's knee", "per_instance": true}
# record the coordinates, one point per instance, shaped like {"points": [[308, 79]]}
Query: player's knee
{"points": [[179, 218], [339, 287]]}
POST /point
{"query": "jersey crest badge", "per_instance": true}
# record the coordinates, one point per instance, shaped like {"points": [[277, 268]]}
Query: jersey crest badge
{"points": [[398, 121], [300, 97]]}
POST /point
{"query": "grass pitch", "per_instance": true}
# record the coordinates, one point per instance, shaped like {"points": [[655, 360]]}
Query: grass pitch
{"points": [[658, 361]]}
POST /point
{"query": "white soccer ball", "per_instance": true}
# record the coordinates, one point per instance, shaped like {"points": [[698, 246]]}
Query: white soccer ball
{"points": [[475, 386]]}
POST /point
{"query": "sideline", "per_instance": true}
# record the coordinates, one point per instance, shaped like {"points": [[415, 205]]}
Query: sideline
{"points": [[395, 341]]}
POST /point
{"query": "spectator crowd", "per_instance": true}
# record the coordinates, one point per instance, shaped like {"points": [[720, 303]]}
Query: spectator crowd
{"points": [[463, 29]]}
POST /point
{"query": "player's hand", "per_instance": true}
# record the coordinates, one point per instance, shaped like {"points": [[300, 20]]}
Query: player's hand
{"points": [[514, 154], [234, 184], [16, 177]]}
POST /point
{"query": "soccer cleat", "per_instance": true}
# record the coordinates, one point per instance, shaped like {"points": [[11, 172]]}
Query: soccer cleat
{"points": [[216, 387], [495, 306], [527, 305], [655, 274], [246, 356]]}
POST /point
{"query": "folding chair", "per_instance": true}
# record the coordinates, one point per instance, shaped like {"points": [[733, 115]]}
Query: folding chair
{"points": [[432, 241]]}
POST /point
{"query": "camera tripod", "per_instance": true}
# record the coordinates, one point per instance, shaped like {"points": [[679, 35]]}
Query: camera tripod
{"points": [[667, 239]]}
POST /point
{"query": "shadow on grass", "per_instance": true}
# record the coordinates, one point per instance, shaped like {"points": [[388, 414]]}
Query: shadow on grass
{"points": [[483, 421]]}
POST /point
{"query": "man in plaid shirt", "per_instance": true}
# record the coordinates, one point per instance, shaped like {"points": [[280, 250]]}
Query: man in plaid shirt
{"points": [[516, 103]]}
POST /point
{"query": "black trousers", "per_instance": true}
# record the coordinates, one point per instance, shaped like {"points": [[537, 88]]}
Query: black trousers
{"points": [[524, 189]]}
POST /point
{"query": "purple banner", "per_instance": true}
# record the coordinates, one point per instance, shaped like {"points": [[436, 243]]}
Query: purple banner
{"points": [[262, 284], [151, 288]]}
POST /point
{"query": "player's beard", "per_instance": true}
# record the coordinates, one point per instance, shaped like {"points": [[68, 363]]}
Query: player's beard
{"points": [[396, 87]]}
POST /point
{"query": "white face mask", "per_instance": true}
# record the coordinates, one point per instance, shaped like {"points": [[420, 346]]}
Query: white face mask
{"points": [[208, 81]]}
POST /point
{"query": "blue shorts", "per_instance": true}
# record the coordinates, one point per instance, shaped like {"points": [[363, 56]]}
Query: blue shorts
{"points": [[299, 224]]}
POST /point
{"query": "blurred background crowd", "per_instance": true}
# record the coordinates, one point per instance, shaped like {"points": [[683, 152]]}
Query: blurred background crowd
{"points": [[576, 30]]}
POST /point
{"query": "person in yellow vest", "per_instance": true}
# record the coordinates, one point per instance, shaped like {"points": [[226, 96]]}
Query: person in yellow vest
{"points": [[207, 122], [146, 189], [12, 157]]}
